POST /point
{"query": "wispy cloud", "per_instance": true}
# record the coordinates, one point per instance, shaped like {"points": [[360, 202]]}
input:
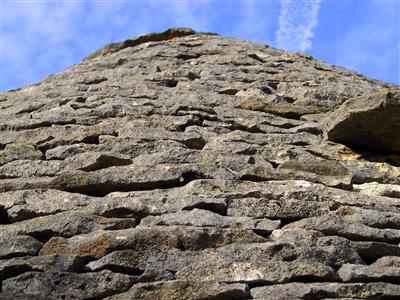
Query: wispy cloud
{"points": [[297, 21]]}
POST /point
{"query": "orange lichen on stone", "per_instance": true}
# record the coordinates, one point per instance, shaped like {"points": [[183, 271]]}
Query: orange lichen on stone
{"points": [[94, 248]]}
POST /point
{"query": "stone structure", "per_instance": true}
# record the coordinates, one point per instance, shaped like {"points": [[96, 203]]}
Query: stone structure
{"points": [[184, 165]]}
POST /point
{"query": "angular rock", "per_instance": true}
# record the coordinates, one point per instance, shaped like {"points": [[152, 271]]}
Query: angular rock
{"points": [[368, 251], [16, 266], [69, 285], [336, 225], [276, 209], [288, 111], [172, 259], [387, 261], [376, 189], [65, 224], [18, 245], [370, 217], [203, 218], [370, 122], [261, 273], [361, 273], [99, 243]]}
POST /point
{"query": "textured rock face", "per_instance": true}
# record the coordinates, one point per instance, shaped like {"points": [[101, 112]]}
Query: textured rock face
{"points": [[184, 165], [372, 121]]}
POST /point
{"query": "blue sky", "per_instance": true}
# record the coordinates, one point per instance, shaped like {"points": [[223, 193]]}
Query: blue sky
{"points": [[41, 37]]}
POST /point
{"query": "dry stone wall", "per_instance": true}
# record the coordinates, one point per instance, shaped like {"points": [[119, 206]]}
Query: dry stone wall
{"points": [[185, 165]]}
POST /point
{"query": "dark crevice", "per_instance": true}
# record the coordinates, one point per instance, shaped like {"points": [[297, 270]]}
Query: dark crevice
{"points": [[187, 56], [167, 83], [217, 208], [228, 91], [374, 155], [307, 279], [195, 121], [104, 188], [357, 238], [202, 116], [286, 221], [43, 236], [14, 255], [42, 124], [80, 99], [300, 143], [273, 84], [274, 164], [368, 259], [266, 89], [262, 233], [30, 109], [255, 129], [318, 154], [14, 271], [123, 212], [254, 178], [385, 278], [4, 216], [132, 271], [250, 151], [91, 140], [196, 143], [106, 161], [255, 56], [189, 176], [180, 245], [255, 284]]}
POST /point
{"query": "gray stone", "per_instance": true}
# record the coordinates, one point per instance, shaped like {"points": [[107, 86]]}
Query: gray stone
{"points": [[203, 218], [297, 290], [188, 165], [361, 273], [370, 122], [65, 224], [18, 245], [376, 189], [260, 273], [69, 285], [59, 262], [337, 225], [99, 243]]}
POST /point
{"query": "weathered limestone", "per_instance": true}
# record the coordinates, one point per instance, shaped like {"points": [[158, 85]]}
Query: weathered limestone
{"points": [[187, 165]]}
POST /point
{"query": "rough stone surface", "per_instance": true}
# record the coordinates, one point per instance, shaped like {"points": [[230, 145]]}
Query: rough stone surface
{"points": [[186, 165], [372, 122]]}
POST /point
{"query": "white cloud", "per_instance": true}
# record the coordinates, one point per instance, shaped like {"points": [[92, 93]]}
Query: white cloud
{"points": [[297, 21]]}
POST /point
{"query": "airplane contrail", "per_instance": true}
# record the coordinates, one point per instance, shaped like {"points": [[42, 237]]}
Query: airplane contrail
{"points": [[297, 21]]}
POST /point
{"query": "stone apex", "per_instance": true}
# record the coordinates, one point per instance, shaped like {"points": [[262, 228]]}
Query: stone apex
{"points": [[168, 34]]}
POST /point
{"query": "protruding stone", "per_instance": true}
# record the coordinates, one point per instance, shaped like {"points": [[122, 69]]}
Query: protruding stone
{"points": [[370, 122]]}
